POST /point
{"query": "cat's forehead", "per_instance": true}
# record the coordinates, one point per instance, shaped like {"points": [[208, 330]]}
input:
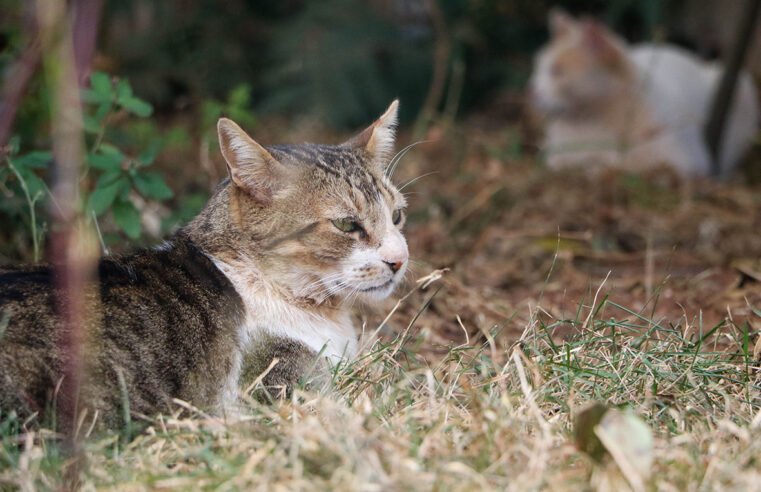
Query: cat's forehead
{"points": [[568, 47], [343, 170], [330, 158]]}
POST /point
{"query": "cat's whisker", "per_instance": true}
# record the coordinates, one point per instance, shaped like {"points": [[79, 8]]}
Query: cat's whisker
{"points": [[399, 156], [352, 296], [322, 280], [415, 179], [330, 291]]}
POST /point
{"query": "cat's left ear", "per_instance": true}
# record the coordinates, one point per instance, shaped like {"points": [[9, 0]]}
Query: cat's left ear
{"points": [[252, 168], [602, 43], [378, 139]]}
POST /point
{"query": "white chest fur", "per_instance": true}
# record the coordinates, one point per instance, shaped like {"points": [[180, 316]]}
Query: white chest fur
{"points": [[267, 312]]}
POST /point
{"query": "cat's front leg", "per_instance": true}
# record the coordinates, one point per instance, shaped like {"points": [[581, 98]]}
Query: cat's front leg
{"points": [[281, 363]]}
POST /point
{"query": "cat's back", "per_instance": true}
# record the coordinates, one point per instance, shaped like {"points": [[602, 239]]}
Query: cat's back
{"points": [[677, 84], [26, 300], [27, 337], [680, 87], [160, 323]]}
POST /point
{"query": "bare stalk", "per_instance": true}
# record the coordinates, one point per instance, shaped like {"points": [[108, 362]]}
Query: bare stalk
{"points": [[442, 52], [73, 250], [17, 81], [714, 131]]}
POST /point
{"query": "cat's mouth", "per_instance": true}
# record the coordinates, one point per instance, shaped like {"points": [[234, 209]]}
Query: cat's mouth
{"points": [[377, 288]]}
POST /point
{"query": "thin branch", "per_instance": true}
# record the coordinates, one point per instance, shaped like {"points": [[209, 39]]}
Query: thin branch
{"points": [[441, 54], [15, 86], [722, 101], [86, 14]]}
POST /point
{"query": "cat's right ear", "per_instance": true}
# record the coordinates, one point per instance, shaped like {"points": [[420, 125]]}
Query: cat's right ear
{"points": [[560, 22], [251, 167], [378, 139]]}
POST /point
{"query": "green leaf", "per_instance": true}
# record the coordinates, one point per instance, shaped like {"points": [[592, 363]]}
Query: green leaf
{"points": [[123, 90], [240, 96], [136, 106], [101, 86], [109, 177], [39, 159], [127, 218], [147, 156], [92, 97], [102, 112], [91, 124], [103, 197], [107, 148], [34, 184], [152, 185], [210, 113], [106, 161]]}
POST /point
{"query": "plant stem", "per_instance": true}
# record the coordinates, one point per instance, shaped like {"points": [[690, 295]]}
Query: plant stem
{"points": [[32, 212]]}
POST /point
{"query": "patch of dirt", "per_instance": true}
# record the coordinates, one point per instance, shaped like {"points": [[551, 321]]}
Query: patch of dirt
{"points": [[515, 236]]}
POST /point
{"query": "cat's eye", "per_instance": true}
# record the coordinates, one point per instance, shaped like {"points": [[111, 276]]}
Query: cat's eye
{"points": [[347, 225], [396, 216]]}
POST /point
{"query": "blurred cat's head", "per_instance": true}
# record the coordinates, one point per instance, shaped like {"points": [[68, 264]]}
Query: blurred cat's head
{"points": [[323, 221], [582, 68]]}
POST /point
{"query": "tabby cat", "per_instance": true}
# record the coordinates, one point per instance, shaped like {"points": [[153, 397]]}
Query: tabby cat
{"points": [[261, 274]]}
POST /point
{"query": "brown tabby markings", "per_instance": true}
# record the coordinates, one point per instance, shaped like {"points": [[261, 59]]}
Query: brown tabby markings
{"points": [[260, 273]]}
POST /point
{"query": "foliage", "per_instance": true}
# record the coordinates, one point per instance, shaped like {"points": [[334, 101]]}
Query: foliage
{"points": [[117, 175], [236, 107], [112, 176], [344, 61], [339, 60]]}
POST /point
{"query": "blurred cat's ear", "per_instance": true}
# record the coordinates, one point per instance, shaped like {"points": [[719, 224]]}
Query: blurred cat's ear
{"points": [[560, 22], [601, 42], [251, 167], [379, 138]]}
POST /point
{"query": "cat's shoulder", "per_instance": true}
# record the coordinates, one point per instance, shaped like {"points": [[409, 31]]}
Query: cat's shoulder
{"points": [[669, 59]]}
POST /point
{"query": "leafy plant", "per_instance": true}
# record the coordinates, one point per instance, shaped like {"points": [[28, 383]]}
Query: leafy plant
{"points": [[119, 175], [237, 106], [29, 187], [112, 175]]}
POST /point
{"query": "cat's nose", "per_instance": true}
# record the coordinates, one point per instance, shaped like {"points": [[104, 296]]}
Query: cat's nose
{"points": [[394, 265]]}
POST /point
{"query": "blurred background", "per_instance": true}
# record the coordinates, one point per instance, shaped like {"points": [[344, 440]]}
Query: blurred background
{"points": [[482, 204]]}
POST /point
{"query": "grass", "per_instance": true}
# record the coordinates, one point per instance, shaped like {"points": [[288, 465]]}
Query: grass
{"points": [[484, 415]]}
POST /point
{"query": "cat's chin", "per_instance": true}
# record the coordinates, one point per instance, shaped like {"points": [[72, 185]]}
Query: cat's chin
{"points": [[378, 293]]}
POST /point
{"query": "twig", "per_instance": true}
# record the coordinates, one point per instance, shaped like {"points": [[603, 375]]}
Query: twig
{"points": [[722, 101], [32, 211], [15, 86], [441, 55]]}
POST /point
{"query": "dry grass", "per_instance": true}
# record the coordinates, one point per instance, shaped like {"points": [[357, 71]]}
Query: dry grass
{"points": [[482, 416], [562, 290]]}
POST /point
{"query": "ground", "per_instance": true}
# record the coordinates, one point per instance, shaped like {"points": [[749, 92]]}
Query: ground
{"points": [[532, 295], [516, 237]]}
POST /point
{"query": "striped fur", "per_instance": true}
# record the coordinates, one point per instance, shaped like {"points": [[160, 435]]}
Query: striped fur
{"points": [[262, 273]]}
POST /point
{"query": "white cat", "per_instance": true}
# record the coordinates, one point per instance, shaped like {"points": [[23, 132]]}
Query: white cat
{"points": [[605, 102]]}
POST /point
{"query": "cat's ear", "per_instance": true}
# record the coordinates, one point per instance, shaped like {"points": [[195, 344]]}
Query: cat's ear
{"points": [[560, 22], [378, 139], [601, 41], [251, 167]]}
